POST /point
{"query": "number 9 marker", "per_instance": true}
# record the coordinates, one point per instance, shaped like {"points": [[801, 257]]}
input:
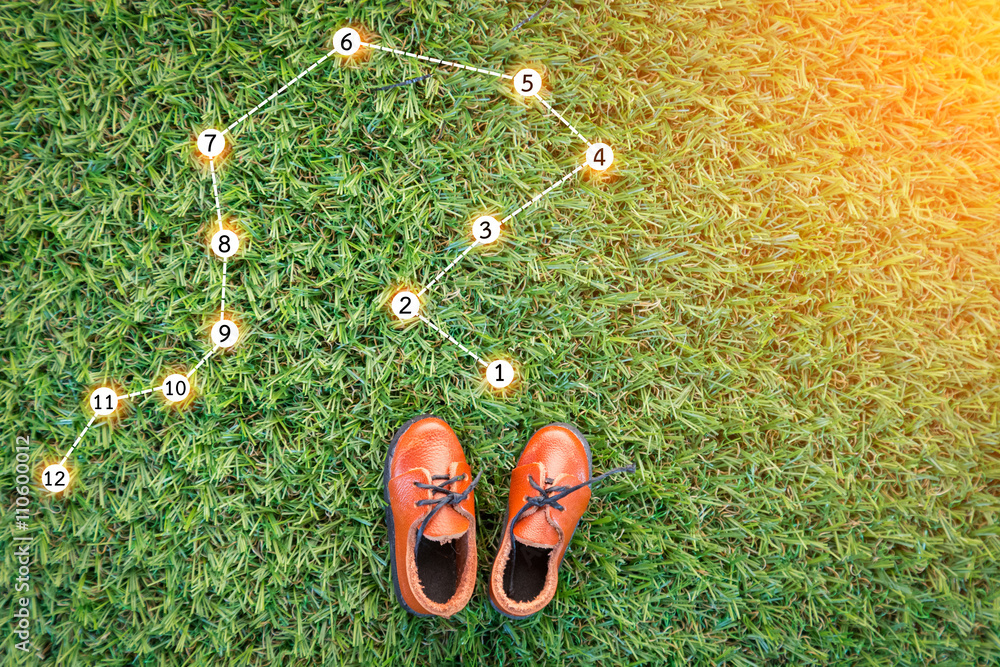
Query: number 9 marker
{"points": [[225, 333]]}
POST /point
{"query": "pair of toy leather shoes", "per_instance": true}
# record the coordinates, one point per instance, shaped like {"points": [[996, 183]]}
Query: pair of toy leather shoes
{"points": [[432, 519]]}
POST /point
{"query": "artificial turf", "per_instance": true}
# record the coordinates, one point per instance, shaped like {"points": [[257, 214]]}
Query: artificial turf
{"points": [[782, 305]]}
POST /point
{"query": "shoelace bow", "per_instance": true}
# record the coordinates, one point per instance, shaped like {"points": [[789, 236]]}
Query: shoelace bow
{"points": [[550, 497], [449, 498]]}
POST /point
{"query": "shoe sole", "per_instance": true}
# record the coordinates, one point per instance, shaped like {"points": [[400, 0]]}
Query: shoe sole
{"points": [[590, 473], [388, 510]]}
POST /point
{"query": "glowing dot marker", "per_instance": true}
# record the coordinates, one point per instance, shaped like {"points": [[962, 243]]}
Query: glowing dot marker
{"points": [[103, 400], [405, 305], [499, 374], [486, 229], [346, 41], [600, 156], [527, 82], [176, 388], [225, 333], [55, 478], [225, 243], [211, 143]]}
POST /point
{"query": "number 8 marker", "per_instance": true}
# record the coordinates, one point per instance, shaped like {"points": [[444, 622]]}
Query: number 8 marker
{"points": [[225, 243]]}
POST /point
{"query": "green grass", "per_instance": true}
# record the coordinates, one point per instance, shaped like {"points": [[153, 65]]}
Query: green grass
{"points": [[783, 307]]}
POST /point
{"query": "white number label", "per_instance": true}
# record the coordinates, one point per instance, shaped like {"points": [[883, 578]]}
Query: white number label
{"points": [[528, 82], [176, 387], [225, 243], [55, 478], [500, 374], [486, 229], [405, 305], [211, 143], [103, 401], [600, 156], [346, 41], [225, 333]]}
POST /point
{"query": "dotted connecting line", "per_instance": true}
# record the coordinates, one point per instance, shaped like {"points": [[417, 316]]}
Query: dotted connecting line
{"points": [[78, 439], [438, 61], [203, 360], [163, 387], [347, 48], [527, 205], [447, 268], [222, 308], [564, 121], [465, 252], [541, 194], [452, 339], [279, 91], [215, 191]]}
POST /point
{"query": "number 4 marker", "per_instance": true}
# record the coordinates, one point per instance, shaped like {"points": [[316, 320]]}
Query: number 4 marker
{"points": [[600, 156]]}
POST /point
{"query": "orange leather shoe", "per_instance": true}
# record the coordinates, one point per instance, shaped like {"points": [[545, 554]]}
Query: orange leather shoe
{"points": [[548, 495], [432, 518]]}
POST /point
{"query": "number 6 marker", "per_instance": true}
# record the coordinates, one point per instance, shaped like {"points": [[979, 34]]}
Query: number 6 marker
{"points": [[346, 41]]}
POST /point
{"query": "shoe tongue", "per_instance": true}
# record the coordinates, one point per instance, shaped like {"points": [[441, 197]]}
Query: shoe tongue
{"points": [[447, 525], [534, 530]]}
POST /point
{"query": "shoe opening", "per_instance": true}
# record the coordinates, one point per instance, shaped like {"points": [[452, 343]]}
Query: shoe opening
{"points": [[438, 567], [531, 565]]}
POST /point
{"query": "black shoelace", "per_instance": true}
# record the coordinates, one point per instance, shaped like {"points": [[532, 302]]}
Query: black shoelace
{"points": [[449, 498], [550, 497]]}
